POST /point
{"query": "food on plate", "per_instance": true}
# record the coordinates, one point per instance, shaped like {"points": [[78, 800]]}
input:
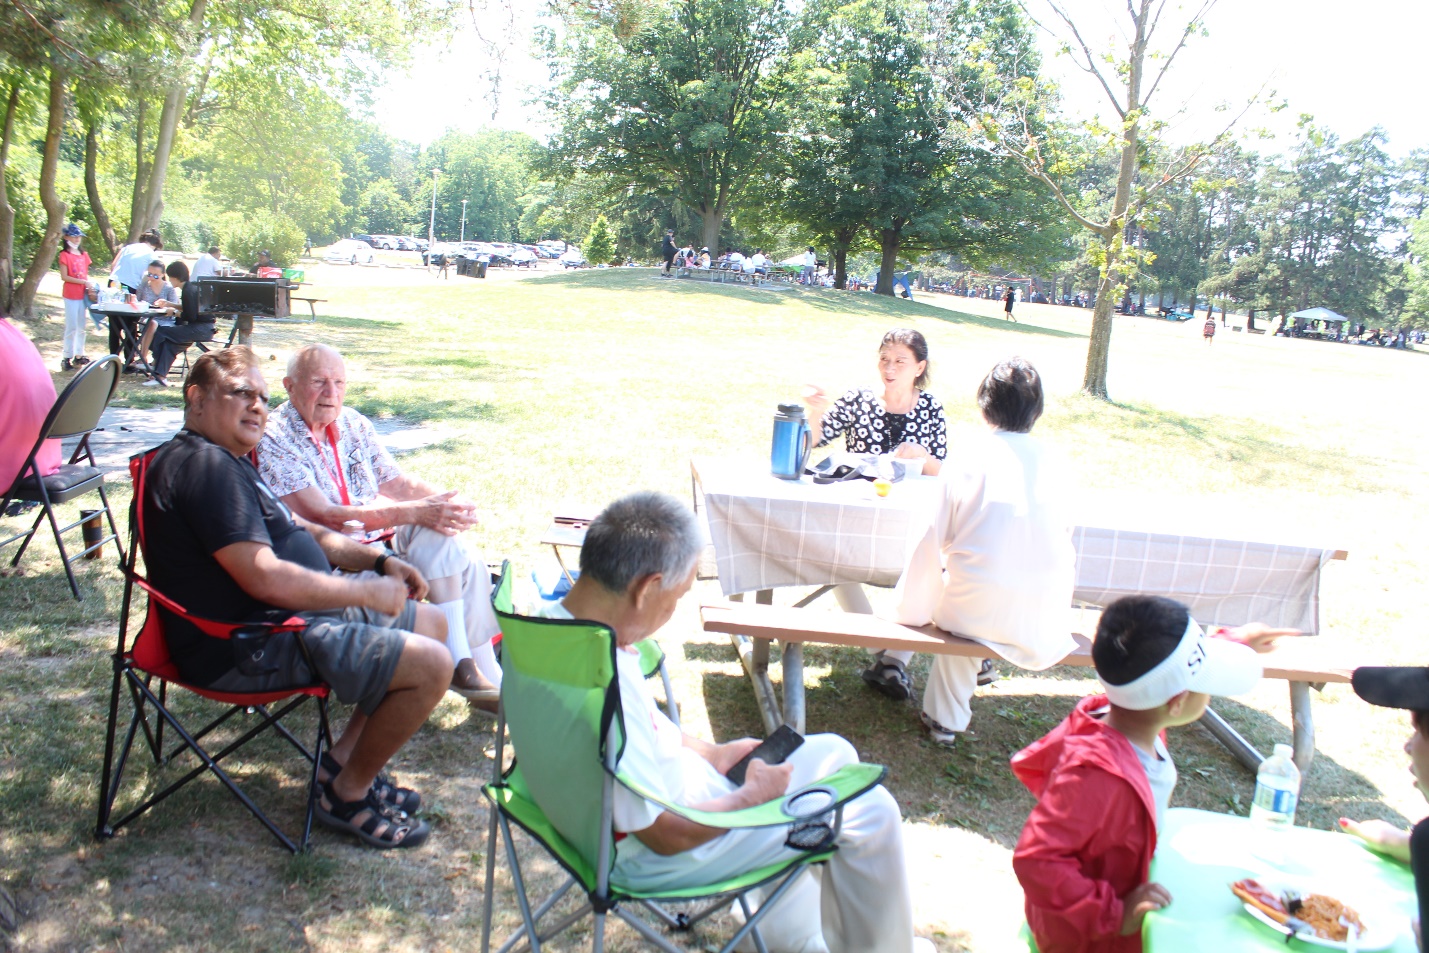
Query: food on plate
{"points": [[1326, 917], [1263, 900]]}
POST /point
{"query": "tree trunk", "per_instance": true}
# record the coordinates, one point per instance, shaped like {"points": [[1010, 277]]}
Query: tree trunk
{"points": [[709, 235], [1099, 347], [141, 169], [91, 188], [153, 198], [841, 266], [49, 197], [7, 213], [1250, 320], [888, 241], [174, 99]]}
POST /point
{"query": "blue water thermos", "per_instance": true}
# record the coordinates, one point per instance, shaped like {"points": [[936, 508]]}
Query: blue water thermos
{"points": [[789, 450]]}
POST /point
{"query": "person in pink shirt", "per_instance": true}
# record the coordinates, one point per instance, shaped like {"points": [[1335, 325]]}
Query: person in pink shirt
{"points": [[26, 396], [74, 272]]}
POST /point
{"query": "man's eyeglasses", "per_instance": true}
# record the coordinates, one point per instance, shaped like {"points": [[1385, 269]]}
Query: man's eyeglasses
{"points": [[248, 395]]}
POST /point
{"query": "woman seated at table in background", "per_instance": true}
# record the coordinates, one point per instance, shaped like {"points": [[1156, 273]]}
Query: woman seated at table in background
{"points": [[899, 417], [1406, 688], [189, 327], [1006, 545], [157, 293]]}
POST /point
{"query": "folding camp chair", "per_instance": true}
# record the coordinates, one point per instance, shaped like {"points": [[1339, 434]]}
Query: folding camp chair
{"points": [[137, 665], [561, 700], [75, 414]]}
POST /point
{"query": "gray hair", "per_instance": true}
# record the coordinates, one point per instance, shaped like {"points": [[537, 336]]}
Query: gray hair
{"points": [[638, 535], [307, 352]]}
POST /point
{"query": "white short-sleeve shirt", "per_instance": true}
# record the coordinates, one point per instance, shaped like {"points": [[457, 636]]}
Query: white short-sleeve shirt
{"points": [[290, 458]]}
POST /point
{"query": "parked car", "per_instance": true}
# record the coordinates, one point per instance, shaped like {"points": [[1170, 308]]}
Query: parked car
{"points": [[523, 258], [350, 251], [369, 240], [406, 243], [387, 242], [572, 258]]}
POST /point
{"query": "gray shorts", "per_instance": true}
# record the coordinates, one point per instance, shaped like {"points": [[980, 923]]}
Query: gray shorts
{"points": [[355, 651]]}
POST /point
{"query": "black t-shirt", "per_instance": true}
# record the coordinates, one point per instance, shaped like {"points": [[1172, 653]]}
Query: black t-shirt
{"points": [[199, 498], [668, 248], [1419, 863]]}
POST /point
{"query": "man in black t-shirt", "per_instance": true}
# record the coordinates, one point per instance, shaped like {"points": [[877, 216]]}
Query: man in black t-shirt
{"points": [[668, 250], [220, 543]]}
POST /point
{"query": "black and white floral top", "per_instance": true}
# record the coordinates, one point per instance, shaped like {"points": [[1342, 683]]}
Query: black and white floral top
{"points": [[869, 428]]}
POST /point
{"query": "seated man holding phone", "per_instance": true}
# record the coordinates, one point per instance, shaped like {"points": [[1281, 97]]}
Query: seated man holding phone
{"points": [[638, 560]]}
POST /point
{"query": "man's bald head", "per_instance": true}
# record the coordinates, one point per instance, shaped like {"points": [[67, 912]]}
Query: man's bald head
{"points": [[316, 384]]}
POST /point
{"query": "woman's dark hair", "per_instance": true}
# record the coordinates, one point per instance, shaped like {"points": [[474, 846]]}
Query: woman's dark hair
{"points": [[1010, 396], [1136, 634], [214, 367], [152, 237], [913, 341], [179, 270]]}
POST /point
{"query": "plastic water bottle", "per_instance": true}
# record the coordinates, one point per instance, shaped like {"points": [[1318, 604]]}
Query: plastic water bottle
{"points": [[1277, 791]]}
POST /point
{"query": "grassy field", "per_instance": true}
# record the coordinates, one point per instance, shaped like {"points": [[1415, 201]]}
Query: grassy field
{"points": [[579, 387]]}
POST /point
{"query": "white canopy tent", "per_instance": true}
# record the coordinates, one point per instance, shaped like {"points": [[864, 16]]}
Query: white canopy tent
{"points": [[1319, 314]]}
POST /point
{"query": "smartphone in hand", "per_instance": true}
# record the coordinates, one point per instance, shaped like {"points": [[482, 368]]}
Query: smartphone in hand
{"points": [[772, 750]]}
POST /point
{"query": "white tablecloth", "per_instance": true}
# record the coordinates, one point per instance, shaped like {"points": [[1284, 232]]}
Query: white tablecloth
{"points": [[769, 533]]}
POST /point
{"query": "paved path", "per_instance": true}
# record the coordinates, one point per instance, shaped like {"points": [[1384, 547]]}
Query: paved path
{"points": [[125, 431]]}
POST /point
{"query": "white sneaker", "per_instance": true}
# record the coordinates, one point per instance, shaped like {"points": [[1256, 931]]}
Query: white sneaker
{"points": [[155, 382]]}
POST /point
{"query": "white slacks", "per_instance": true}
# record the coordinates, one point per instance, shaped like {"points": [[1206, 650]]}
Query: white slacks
{"points": [[438, 556], [76, 312], [864, 905]]}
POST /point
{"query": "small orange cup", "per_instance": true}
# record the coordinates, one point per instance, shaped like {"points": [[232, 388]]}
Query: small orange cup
{"points": [[882, 486]]}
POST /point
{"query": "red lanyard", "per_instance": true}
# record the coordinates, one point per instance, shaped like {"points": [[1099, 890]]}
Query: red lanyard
{"points": [[335, 474]]}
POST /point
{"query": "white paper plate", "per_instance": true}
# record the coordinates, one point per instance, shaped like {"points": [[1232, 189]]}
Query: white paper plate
{"points": [[1381, 929]]}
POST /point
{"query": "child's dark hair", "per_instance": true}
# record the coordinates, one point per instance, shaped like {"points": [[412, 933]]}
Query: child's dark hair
{"points": [[1010, 397], [1135, 634]]}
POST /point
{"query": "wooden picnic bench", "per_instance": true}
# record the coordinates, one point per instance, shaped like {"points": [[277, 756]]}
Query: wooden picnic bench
{"points": [[312, 303], [722, 272], [1299, 662]]}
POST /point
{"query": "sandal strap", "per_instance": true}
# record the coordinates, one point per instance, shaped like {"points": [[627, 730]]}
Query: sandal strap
{"points": [[398, 823]]}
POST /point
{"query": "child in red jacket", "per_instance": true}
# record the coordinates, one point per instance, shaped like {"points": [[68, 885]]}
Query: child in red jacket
{"points": [[1103, 778]]}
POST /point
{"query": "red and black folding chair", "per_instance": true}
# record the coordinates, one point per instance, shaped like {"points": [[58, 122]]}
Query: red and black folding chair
{"points": [[139, 664]]}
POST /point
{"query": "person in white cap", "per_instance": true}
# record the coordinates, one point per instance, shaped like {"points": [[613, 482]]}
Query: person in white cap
{"points": [[1103, 777]]}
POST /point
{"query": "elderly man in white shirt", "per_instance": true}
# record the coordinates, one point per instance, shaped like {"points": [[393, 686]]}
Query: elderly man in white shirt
{"points": [[997, 564], [326, 463], [637, 562], [207, 265]]}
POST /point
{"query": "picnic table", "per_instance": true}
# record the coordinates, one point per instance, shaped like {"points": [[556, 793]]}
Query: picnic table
{"points": [[770, 533], [1199, 854], [124, 322]]}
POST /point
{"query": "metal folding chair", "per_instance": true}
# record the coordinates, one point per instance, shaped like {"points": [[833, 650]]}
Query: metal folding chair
{"points": [[75, 414]]}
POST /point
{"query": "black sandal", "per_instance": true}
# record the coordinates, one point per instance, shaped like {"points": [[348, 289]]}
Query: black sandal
{"points": [[403, 799], [374, 822], [889, 678]]}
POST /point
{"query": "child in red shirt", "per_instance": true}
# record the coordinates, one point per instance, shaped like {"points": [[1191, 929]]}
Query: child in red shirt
{"points": [[1103, 777], [74, 272]]}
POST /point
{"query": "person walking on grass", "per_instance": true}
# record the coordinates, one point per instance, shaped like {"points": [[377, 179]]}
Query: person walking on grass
{"points": [[1209, 332], [1007, 301], [667, 250]]}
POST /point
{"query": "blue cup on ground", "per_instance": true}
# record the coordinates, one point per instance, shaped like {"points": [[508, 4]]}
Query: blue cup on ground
{"points": [[792, 442]]}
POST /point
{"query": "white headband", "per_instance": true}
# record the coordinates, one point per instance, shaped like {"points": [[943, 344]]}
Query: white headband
{"points": [[1198, 664]]}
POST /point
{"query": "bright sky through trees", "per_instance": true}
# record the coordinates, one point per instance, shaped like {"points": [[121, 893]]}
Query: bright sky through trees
{"points": [[1351, 65]]}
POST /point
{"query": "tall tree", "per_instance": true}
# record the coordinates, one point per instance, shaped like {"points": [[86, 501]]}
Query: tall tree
{"points": [[1010, 108], [680, 101], [24, 301]]}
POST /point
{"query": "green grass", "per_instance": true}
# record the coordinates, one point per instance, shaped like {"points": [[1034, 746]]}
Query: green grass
{"points": [[579, 387]]}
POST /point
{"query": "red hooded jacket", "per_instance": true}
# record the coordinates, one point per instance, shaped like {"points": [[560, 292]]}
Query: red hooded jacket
{"points": [[1089, 840]]}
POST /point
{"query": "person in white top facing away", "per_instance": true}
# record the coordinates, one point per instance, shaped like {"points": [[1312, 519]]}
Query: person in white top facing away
{"points": [[638, 560], [1002, 538]]}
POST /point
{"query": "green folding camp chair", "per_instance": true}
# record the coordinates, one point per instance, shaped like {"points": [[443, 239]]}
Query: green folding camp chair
{"points": [[561, 701]]}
